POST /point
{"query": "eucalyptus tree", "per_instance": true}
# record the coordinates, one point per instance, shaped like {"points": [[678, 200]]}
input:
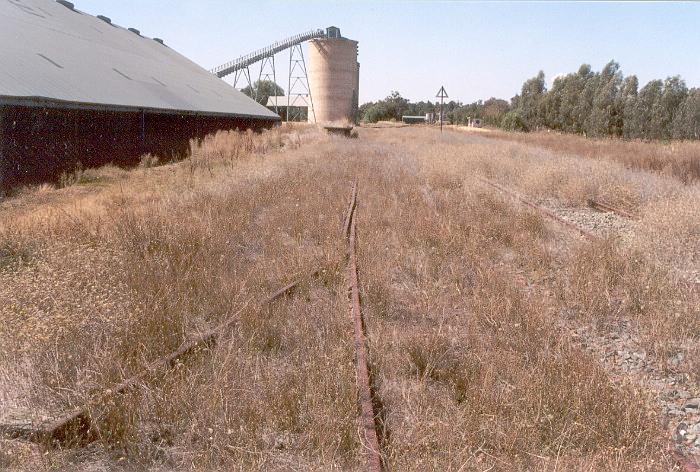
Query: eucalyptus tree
{"points": [[686, 122]]}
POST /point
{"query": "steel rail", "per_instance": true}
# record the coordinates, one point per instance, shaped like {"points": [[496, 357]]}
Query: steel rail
{"points": [[685, 463], [76, 423], [693, 285], [584, 232], [349, 212], [598, 205], [367, 418]]}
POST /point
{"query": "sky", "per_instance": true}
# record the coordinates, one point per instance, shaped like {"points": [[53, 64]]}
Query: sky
{"points": [[476, 50]]}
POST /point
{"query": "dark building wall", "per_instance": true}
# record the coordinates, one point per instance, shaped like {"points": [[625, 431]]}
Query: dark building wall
{"points": [[37, 144]]}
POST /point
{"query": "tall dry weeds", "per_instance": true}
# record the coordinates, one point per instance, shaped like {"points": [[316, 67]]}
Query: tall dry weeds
{"points": [[679, 159], [458, 285]]}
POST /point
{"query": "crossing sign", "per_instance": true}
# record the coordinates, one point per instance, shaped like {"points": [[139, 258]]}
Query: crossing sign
{"points": [[442, 95]]}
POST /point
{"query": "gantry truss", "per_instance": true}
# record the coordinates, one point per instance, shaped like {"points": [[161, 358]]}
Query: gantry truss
{"points": [[298, 92]]}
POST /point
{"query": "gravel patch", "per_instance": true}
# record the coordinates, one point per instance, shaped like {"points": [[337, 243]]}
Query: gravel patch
{"points": [[601, 223], [629, 232], [676, 394]]}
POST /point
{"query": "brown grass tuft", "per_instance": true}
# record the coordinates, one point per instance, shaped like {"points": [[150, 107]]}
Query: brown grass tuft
{"points": [[463, 292]]}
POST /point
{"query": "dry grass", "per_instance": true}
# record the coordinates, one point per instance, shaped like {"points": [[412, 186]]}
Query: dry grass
{"points": [[679, 159], [605, 284], [120, 278], [472, 373], [641, 275], [460, 288], [669, 213]]}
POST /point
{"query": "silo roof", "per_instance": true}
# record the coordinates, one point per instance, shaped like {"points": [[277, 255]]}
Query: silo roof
{"points": [[55, 55]]}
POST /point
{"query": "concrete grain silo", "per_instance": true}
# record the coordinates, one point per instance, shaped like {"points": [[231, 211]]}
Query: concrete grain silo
{"points": [[333, 78]]}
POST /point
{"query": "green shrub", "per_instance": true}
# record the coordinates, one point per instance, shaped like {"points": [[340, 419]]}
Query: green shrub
{"points": [[513, 121]]}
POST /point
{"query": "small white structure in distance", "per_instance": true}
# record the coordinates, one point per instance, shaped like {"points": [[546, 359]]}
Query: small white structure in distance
{"points": [[281, 102], [474, 122]]}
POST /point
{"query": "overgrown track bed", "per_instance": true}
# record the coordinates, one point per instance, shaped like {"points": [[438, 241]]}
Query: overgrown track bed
{"points": [[693, 285], [682, 460], [189, 246], [550, 214], [480, 314], [75, 426], [602, 206], [369, 438]]}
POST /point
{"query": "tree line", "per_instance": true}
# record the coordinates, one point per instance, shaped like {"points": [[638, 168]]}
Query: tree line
{"points": [[394, 106], [607, 103], [604, 103]]}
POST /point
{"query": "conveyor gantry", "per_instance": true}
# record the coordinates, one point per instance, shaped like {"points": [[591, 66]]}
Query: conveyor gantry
{"points": [[255, 56]]}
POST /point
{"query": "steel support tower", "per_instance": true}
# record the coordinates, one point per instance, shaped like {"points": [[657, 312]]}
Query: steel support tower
{"points": [[298, 92]]}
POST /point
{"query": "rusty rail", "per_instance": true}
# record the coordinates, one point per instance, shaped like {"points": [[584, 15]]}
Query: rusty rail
{"points": [[367, 418], [349, 213], [692, 285], [76, 423], [602, 206], [686, 464], [584, 232]]}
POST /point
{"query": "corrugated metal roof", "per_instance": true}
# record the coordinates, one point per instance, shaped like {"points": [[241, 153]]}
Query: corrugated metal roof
{"points": [[52, 53]]}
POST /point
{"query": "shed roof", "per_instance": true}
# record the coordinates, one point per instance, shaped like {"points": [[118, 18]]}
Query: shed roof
{"points": [[54, 55], [301, 101]]}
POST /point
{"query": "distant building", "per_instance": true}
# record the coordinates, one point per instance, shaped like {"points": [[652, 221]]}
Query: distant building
{"points": [[412, 120], [300, 106]]}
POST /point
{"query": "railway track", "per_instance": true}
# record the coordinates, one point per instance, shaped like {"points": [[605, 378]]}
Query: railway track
{"points": [[539, 208], [369, 437], [604, 207], [683, 462], [75, 426], [692, 285]]}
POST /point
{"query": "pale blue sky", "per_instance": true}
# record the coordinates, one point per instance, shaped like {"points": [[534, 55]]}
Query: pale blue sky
{"points": [[476, 49]]}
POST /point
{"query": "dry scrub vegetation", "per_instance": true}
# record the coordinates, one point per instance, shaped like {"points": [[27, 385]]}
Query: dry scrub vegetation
{"points": [[645, 273], [568, 174], [679, 159], [462, 291]]}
